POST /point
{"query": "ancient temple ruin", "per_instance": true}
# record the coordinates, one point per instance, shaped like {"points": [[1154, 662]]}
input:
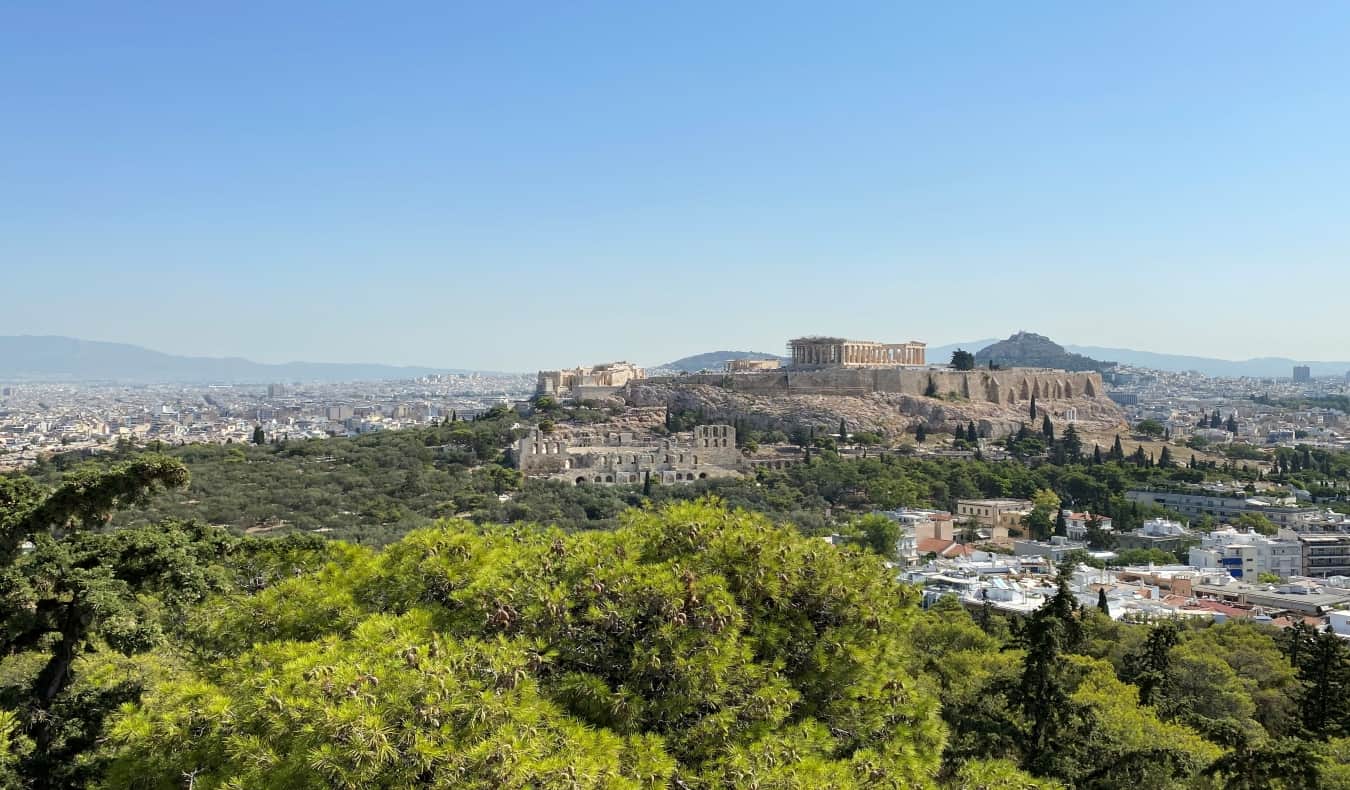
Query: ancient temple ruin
{"points": [[836, 352], [587, 382]]}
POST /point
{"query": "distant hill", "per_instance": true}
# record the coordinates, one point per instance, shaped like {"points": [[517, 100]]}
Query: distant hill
{"points": [[1260, 367], [1030, 350], [51, 358], [715, 360]]}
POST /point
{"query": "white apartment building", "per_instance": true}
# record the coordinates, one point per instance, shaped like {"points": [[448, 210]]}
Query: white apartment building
{"points": [[1246, 555]]}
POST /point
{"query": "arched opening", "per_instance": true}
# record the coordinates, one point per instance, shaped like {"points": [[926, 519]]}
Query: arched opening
{"points": [[581, 481], [609, 478], [702, 475]]}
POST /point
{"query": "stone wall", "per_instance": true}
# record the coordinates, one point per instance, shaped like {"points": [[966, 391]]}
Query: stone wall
{"points": [[1003, 387]]}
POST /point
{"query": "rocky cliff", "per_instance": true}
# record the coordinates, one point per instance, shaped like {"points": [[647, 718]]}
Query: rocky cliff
{"points": [[889, 413]]}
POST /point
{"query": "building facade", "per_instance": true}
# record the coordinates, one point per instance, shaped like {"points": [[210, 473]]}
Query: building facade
{"points": [[1325, 555], [619, 458], [1221, 507]]}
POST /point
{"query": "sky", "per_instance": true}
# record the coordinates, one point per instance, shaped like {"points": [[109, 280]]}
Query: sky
{"points": [[535, 185]]}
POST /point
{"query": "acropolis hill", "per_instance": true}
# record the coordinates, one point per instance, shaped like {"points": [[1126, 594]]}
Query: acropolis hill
{"points": [[883, 387]]}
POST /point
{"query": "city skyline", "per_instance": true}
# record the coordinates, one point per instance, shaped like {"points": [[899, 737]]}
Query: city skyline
{"points": [[484, 189]]}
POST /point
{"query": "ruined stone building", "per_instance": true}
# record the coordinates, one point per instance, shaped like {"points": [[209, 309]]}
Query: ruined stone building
{"points": [[592, 382], [748, 365], [836, 352], [616, 458]]}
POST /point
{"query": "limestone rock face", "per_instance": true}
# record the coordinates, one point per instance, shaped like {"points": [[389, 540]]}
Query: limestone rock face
{"points": [[889, 413]]}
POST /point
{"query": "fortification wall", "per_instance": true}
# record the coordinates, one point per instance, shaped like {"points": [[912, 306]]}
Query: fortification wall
{"points": [[1004, 387]]}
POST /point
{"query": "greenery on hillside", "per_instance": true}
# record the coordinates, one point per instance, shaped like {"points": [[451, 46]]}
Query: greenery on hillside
{"points": [[374, 488], [367, 489]]}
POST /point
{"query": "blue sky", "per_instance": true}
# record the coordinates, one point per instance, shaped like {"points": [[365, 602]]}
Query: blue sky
{"points": [[521, 185]]}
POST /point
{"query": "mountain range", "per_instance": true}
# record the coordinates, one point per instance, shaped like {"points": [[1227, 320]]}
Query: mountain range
{"points": [[52, 358]]}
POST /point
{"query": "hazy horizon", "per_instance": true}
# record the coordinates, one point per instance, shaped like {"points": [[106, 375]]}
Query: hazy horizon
{"points": [[971, 345], [512, 189]]}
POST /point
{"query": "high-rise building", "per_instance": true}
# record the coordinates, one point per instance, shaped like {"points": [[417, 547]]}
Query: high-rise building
{"points": [[1302, 373]]}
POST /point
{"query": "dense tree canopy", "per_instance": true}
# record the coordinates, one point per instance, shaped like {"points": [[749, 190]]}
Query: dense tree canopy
{"points": [[689, 642]]}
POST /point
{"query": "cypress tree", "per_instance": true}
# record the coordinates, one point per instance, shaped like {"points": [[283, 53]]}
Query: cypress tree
{"points": [[1096, 454], [259, 437], [1102, 605], [843, 431], [1325, 675], [1033, 407], [920, 434], [647, 482], [931, 390], [972, 435], [1117, 451], [1061, 524], [1048, 428]]}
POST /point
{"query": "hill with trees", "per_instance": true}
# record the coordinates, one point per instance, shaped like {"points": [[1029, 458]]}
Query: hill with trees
{"points": [[1030, 350]]}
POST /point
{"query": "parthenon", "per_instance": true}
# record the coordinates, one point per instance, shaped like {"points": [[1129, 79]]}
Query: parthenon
{"points": [[822, 352]]}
